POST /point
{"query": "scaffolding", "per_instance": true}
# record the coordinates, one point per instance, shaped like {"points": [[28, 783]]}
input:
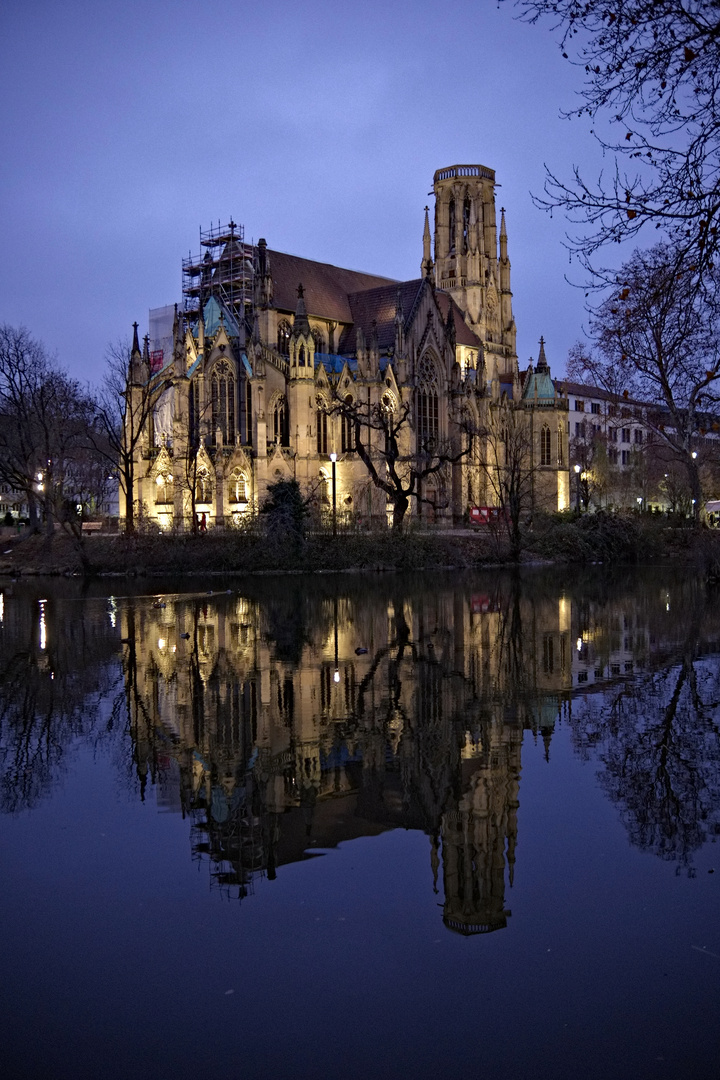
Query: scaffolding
{"points": [[224, 268]]}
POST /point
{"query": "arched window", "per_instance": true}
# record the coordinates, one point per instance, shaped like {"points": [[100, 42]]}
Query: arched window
{"points": [[347, 430], [545, 445], [561, 453], [222, 388], [283, 338], [322, 427], [466, 225], [164, 488], [281, 424], [301, 356], [427, 418], [194, 413], [203, 487], [237, 487], [319, 340], [451, 222]]}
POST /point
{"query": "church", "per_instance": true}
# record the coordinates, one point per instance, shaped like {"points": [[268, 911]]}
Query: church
{"points": [[276, 367]]}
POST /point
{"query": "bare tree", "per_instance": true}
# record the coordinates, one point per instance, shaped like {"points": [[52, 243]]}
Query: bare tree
{"points": [[509, 466], [44, 421], [657, 333], [125, 406], [651, 87], [382, 438]]}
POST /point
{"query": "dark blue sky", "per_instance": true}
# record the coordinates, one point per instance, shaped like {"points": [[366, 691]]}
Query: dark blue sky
{"points": [[128, 125]]}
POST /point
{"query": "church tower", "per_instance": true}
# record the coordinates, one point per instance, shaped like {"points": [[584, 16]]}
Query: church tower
{"points": [[469, 262]]}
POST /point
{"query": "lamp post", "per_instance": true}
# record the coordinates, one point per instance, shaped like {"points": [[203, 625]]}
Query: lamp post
{"points": [[333, 459], [577, 485]]}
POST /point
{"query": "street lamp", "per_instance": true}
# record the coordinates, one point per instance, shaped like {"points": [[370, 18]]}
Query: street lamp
{"points": [[577, 497], [333, 459]]}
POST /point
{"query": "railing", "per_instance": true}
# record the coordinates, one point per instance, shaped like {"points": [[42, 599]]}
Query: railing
{"points": [[463, 170]]}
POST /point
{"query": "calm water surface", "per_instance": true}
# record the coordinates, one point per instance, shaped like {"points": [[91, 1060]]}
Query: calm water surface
{"points": [[425, 827]]}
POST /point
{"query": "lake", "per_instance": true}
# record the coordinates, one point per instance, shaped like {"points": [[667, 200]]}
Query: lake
{"points": [[429, 826]]}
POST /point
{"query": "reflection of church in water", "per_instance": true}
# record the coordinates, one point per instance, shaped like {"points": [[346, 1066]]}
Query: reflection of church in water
{"points": [[297, 723]]}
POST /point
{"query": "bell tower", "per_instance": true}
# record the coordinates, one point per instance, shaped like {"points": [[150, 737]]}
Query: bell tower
{"points": [[469, 263]]}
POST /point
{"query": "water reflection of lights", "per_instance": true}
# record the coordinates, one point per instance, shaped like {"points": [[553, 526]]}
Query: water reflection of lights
{"points": [[112, 611], [43, 625], [2, 607]]}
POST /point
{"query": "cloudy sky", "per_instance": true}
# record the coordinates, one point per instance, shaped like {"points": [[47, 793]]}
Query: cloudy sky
{"points": [[128, 124]]}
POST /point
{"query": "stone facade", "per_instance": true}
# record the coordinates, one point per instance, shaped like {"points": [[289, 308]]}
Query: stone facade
{"points": [[259, 383]]}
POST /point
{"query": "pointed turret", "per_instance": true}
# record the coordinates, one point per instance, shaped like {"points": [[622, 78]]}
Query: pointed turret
{"points": [[542, 364], [302, 343], [137, 371], [426, 266]]}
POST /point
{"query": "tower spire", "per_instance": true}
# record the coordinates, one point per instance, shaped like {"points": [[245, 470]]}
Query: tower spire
{"points": [[426, 265]]}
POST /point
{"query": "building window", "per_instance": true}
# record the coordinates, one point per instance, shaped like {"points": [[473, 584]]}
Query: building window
{"points": [[613, 434], [545, 445], [560, 453], [638, 436], [427, 417], [283, 338], [203, 487], [595, 408], [466, 225], [612, 456], [222, 386], [579, 406], [194, 413], [626, 457], [322, 427], [237, 487], [319, 341], [451, 224], [347, 429], [164, 488], [281, 423], [626, 434], [580, 430]]}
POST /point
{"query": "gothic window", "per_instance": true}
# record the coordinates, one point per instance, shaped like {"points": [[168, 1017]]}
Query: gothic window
{"points": [[194, 413], [283, 338], [545, 445], [466, 225], [427, 418], [203, 487], [388, 407], [301, 356], [237, 488], [325, 489], [451, 222], [347, 432], [561, 454], [322, 427], [164, 488], [281, 424], [319, 341], [222, 385]]}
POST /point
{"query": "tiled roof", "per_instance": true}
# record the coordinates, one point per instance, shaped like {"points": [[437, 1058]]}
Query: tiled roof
{"points": [[379, 306], [326, 287], [463, 334]]}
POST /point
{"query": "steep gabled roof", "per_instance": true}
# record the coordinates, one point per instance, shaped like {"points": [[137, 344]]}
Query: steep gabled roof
{"points": [[326, 286], [379, 306], [463, 334]]}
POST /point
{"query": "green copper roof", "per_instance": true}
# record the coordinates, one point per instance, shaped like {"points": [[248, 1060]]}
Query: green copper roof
{"points": [[539, 385]]}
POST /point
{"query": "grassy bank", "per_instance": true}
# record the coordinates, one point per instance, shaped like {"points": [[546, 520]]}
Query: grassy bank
{"points": [[596, 538]]}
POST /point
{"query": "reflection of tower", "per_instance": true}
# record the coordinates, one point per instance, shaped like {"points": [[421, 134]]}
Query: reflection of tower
{"points": [[479, 838]]}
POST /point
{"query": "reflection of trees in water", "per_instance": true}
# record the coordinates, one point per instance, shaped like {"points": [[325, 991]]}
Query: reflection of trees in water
{"points": [[657, 735], [50, 693]]}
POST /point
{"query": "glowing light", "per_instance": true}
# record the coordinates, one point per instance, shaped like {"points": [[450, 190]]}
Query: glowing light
{"points": [[333, 457], [43, 625], [579, 644], [161, 643], [336, 676]]}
